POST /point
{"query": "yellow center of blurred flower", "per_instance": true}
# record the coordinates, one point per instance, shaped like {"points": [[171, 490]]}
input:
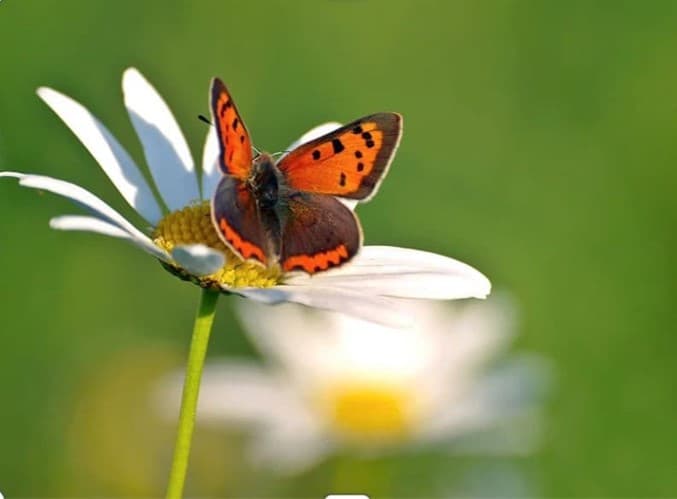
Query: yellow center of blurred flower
{"points": [[370, 412], [193, 225]]}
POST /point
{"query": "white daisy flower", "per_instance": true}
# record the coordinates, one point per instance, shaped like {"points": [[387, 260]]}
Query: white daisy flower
{"points": [[336, 382], [183, 238]]}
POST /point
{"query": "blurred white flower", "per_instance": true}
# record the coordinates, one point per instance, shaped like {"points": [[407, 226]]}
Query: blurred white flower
{"points": [[187, 244], [335, 382]]}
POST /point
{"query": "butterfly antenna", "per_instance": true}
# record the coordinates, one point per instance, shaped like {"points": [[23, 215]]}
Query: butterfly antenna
{"points": [[279, 153], [202, 117], [258, 153]]}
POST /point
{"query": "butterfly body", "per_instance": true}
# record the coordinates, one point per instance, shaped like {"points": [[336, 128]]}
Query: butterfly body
{"points": [[265, 181], [287, 212]]}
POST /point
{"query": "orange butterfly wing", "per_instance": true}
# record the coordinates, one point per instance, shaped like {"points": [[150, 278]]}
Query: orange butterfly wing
{"points": [[235, 156], [348, 162]]}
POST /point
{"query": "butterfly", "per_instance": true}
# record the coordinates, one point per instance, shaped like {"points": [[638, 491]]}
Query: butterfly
{"points": [[286, 212]]}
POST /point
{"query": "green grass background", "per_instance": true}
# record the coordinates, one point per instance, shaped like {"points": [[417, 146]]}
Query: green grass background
{"points": [[539, 146]]}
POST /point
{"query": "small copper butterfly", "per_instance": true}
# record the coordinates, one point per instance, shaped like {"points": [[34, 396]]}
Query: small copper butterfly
{"points": [[285, 212]]}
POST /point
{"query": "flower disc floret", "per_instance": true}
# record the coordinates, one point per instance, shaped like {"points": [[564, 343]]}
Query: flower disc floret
{"points": [[373, 412]]}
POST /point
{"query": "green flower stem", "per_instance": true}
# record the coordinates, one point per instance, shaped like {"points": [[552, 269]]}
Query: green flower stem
{"points": [[191, 389]]}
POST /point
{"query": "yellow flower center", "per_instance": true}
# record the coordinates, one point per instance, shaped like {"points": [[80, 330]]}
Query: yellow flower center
{"points": [[371, 412], [193, 225]]}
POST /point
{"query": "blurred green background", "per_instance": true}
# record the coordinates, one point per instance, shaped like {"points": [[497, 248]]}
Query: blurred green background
{"points": [[538, 146]]}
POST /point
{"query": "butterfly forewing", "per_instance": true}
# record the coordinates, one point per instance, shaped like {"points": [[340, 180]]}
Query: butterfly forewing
{"points": [[319, 233], [348, 162], [235, 156]]}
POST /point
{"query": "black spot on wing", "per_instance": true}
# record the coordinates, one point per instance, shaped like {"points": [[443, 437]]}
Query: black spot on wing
{"points": [[337, 145]]}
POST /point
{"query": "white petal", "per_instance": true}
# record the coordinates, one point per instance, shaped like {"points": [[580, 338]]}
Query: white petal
{"points": [[88, 224], [313, 134], [91, 202], [278, 331], [279, 320], [242, 392], [107, 151], [286, 434], [233, 391], [210, 170], [289, 451], [349, 203], [334, 345], [510, 391], [198, 259], [404, 273], [474, 333], [164, 146], [96, 225], [402, 355], [370, 307]]}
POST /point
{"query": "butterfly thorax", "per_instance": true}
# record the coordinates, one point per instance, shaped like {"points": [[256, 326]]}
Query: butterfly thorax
{"points": [[264, 181]]}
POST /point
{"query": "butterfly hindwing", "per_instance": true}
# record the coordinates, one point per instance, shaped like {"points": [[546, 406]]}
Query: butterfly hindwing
{"points": [[348, 162], [235, 156], [319, 232], [248, 232]]}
